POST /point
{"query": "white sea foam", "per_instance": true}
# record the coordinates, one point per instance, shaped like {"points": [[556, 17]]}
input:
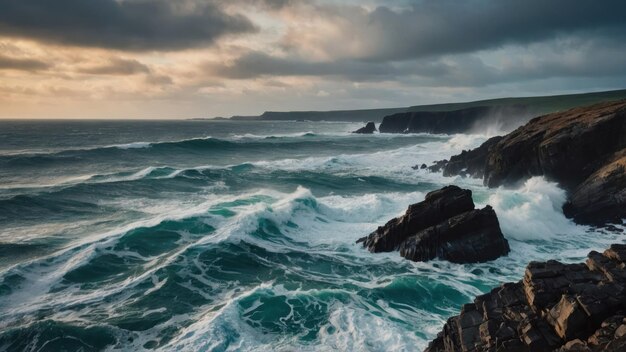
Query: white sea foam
{"points": [[134, 145], [282, 135], [321, 227], [533, 211]]}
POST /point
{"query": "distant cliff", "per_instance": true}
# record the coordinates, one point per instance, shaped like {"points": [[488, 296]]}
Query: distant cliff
{"points": [[375, 115], [539, 105], [458, 121]]}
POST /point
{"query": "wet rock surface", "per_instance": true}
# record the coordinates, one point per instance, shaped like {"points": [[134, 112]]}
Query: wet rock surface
{"points": [[471, 162], [369, 128], [556, 307], [438, 165], [583, 149], [473, 236], [602, 196], [446, 226]]}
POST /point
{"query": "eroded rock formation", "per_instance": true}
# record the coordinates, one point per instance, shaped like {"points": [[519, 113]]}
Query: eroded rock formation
{"points": [[369, 128], [445, 225], [602, 195], [556, 307], [472, 162], [583, 149]]}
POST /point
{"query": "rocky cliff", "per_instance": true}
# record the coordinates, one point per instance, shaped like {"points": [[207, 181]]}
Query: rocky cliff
{"points": [[456, 121], [556, 307], [583, 149]]}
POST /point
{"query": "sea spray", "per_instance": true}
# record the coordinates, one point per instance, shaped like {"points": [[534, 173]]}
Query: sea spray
{"points": [[244, 240]]}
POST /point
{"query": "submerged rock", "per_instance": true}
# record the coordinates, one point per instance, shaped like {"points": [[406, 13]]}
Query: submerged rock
{"points": [[368, 129], [445, 225], [556, 307]]}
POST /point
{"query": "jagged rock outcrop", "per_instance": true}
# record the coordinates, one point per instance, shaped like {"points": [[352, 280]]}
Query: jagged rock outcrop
{"points": [[473, 236], [602, 195], [369, 128], [470, 162], [437, 165], [581, 149], [445, 225], [556, 307], [566, 146], [455, 121]]}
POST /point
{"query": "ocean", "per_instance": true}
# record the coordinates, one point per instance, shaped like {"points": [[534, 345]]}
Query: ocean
{"points": [[239, 236]]}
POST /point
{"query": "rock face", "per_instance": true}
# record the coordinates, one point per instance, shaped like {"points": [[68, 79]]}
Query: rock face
{"points": [[567, 146], [602, 195], [456, 121], [437, 165], [472, 162], [582, 149], [369, 128], [473, 236], [446, 226], [556, 307]]}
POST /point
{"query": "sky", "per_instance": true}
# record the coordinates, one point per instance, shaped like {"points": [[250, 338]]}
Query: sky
{"points": [[207, 58]]}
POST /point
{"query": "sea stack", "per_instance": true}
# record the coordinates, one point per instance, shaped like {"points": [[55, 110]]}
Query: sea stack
{"points": [[369, 128], [445, 226]]}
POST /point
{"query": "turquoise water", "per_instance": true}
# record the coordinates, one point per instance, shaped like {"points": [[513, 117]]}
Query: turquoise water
{"points": [[238, 236]]}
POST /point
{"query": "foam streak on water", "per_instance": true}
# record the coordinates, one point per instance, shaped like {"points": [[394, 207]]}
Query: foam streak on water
{"points": [[170, 240]]}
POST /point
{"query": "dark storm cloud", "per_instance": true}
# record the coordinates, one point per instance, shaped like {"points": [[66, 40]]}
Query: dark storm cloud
{"points": [[117, 66], [447, 26], [123, 24], [444, 42], [439, 27], [257, 64], [22, 64], [580, 58]]}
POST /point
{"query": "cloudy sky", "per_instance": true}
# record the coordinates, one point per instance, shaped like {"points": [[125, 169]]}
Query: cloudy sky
{"points": [[204, 58]]}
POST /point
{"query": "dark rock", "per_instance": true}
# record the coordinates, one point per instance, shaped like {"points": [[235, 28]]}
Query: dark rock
{"points": [[608, 331], [369, 128], [583, 149], [470, 237], [556, 307], [470, 163], [575, 346], [423, 166], [438, 165], [602, 196], [611, 228], [456, 121], [567, 146], [568, 318], [438, 206], [444, 225]]}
